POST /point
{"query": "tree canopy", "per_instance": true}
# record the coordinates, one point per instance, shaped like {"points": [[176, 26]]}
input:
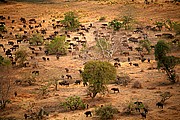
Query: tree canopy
{"points": [[98, 74]]}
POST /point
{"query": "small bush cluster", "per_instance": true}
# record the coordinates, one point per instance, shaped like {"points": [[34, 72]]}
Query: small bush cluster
{"points": [[73, 103], [106, 112]]}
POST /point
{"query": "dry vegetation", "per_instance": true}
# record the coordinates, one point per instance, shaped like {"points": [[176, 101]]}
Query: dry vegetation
{"points": [[151, 83]]}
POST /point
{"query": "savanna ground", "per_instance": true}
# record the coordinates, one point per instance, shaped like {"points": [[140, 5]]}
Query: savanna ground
{"points": [[153, 82]]}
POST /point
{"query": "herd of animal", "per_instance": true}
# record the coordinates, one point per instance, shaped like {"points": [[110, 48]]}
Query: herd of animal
{"points": [[18, 33]]}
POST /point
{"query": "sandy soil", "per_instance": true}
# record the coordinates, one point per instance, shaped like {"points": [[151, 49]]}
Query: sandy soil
{"points": [[153, 82]]}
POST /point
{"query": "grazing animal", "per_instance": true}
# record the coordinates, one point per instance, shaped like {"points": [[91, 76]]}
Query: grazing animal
{"points": [[149, 60], [80, 71], [85, 84], [143, 59], [15, 93], [48, 59], [136, 64], [19, 41], [129, 59], [10, 43], [117, 59], [26, 116], [87, 113], [18, 82], [160, 104], [117, 65], [138, 103], [137, 109], [64, 83], [143, 115], [44, 58], [35, 72], [115, 89], [78, 82], [1, 45], [67, 70], [145, 110], [126, 53], [69, 76]]}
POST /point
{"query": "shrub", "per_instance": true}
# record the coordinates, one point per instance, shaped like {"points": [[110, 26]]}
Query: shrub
{"points": [[70, 21], [115, 24], [146, 44], [73, 103], [137, 84], [2, 28], [20, 56], [102, 18], [58, 45], [4, 61], [176, 27], [36, 39], [106, 112], [127, 21]]}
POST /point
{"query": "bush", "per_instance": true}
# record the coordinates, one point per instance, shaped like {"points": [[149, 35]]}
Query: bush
{"points": [[102, 18], [106, 112], [137, 84], [115, 24], [2, 28], [176, 27], [58, 45], [73, 103], [127, 21], [146, 44], [20, 56], [70, 21], [4, 61], [36, 39]]}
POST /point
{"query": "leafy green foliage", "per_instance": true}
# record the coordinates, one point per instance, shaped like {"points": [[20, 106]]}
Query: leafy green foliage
{"points": [[70, 21], [126, 22], [21, 56], [98, 74], [58, 45], [146, 44], [161, 49], [106, 112], [132, 106], [166, 62], [165, 96], [36, 39], [159, 25], [2, 28], [176, 27], [73, 103], [4, 61], [115, 24]]}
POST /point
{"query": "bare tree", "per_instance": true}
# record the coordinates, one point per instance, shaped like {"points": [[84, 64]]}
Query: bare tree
{"points": [[4, 91]]}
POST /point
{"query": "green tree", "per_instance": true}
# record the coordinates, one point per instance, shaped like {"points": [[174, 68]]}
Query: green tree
{"points": [[70, 21], [36, 39], [98, 74], [58, 45], [159, 25], [127, 21], [115, 24], [166, 62], [73, 103], [106, 112], [146, 44], [21, 56]]}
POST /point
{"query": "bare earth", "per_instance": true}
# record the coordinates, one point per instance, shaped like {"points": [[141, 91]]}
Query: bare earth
{"points": [[153, 82]]}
